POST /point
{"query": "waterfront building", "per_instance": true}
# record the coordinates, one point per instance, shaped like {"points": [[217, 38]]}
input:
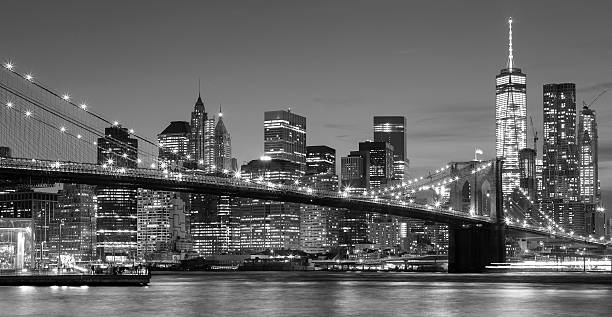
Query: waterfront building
{"points": [[73, 230], [28, 244], [318, 224], [116, 218], [392, 129], [510, 119], [285, 137], [154, 212], [269, 224]]}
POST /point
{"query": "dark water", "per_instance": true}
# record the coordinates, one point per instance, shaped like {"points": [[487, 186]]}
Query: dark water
{"points": [[308, 294]]}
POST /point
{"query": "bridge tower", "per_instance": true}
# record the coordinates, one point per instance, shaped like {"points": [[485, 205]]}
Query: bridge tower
{"points": [[473, 246]]}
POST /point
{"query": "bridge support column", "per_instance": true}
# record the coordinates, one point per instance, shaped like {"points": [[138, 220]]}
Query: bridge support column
{"points": [[472, 247]]}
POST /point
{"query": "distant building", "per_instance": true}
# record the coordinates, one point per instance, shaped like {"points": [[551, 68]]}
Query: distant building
{"points": [[116, 224], [355, 173], [155, 209], [76, 214], [527, 166], [560, 173], [588, 160], [380, 164], [174, 142], [318, 224], [5, 151], [285, 137], [222, 149], [510, 119], [269, 224], [320, 159], [392, 129], [201, 140]]}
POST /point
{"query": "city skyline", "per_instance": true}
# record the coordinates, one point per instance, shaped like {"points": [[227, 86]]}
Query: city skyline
{"points": [[407, 90]]}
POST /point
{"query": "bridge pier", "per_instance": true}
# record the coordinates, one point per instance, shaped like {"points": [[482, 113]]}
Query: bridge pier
{"points": [[472, 247]]}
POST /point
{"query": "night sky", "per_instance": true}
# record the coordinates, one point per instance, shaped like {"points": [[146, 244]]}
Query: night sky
{"points": [[336, 62]]}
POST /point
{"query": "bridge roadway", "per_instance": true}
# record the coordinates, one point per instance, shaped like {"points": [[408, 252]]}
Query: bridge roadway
{"points": [[30, 170]]}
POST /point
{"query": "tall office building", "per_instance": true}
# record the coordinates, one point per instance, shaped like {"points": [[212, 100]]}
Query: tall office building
{"points": [[116, 224], [155, 210], [354, 172], [588, 161], [320, 159], [380, 164], [76, 214], [285, 137], [174, 142], [560, 173], [222, 149], [201, 141], [318, 224], [392, 129], [510, 119], [268, 224]]}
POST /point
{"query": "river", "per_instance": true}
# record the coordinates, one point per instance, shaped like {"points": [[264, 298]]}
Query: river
{"points": [[309, 294]]}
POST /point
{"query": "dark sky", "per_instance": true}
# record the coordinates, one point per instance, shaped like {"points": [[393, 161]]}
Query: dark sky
{"points": [[336, 62]]}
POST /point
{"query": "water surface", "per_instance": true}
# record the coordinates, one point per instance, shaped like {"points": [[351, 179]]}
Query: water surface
{"points": [[309, 294]]}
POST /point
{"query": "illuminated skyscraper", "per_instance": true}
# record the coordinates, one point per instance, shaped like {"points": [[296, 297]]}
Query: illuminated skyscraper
{"points": [[116, 216], [560, 173], [285, 137], [380, 164], [392, 129], [174, 142], [201, 141], [589, 165], [510, 119], [222, 149]]}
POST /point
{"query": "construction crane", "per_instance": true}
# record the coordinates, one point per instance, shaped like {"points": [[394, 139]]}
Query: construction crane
{"points": [[594, 99], [535, 135]]}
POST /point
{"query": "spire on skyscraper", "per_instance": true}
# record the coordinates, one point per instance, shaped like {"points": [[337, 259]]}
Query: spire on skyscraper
{"points": [[510, 56]]}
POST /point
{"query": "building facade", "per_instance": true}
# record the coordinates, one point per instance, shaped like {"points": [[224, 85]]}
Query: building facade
{"points": [[116, 217], [285, 137], [510, 119], [392, 129]]}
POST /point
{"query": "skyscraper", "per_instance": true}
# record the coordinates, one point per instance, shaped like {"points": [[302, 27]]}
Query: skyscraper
{"points": [[269, 224], [201, 141], [76, 214], [318, 224], [560, 174], [510, 119], [380, 164], [392, 129], [589, 163], [285, 137], [116, 224], [527, 166], [222, 149], [320, 159], [155, 211], [174, 142]]}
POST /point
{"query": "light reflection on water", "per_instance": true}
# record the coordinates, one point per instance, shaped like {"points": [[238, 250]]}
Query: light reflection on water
{"points": [[313, 294]]}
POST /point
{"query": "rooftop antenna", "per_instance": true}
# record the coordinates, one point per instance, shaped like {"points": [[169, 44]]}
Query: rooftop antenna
{"points": [[199, 87], [220, 111], [510, 56]]}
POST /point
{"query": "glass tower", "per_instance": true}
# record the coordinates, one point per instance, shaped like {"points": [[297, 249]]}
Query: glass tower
{"points": [[392, 129], [285, 136], [587, 143], [510, 119]]}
